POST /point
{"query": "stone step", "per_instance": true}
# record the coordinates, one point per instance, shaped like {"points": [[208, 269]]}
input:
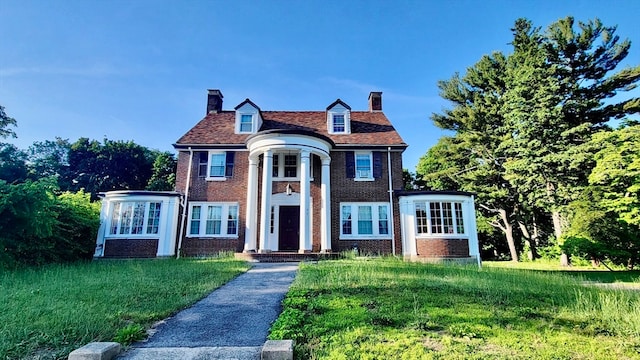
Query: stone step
{"points": [[195, 353]]}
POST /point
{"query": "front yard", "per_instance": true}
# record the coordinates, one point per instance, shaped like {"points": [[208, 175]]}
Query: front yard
{"points": [[389, 309], [48, 312]]}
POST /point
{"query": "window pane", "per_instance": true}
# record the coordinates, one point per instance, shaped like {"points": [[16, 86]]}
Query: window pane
{"points": [[421, 218], [274, 173], [125, 219], [290, 165], [459, 218], [217, 165], [272, 224], [346, 220], [365, 222], [214, 220], [138, 217], [115, 218], [363, 166], [202, 164], [195, 221], [383, 220], [338, 123], [154, 218], [436, 218], [447, 218], [232, 220], [245, 123]]}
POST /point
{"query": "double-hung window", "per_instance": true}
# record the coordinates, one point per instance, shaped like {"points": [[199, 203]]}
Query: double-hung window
{"points": [[364, 220], [364, 166], [216, 165], [338, 123], [135, 218], [439, 218], [246, 123], [213, 219]]}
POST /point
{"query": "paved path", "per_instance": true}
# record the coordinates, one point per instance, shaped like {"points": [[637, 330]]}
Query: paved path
{"points": [[230, 323]]}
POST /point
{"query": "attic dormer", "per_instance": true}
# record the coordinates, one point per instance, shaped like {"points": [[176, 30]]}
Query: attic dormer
{"points": [[248, 118], [339, 118]]}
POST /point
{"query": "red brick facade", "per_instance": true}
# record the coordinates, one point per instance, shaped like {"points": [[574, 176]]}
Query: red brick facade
{"points": [[443, 248], [128, 248]]}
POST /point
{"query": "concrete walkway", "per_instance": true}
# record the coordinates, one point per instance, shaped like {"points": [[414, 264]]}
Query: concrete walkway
{"points": [[230, 323]]}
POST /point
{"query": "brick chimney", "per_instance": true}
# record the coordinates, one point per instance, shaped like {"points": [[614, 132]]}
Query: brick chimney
{"points": [[375, 101], [214, 101]]}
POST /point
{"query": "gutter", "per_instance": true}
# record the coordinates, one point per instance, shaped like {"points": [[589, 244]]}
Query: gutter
{"points": [[183, 202], [391, 217]]}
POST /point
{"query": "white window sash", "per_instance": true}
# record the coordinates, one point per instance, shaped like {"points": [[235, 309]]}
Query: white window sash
{"points": [[354, 210], [226, 209]]}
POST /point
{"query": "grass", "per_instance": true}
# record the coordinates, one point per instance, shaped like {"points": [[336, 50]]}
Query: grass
{"points": [[47, 312], [386, 308]]}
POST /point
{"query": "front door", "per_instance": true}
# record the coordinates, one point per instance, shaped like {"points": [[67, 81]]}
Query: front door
{"points": [[289, 228]]}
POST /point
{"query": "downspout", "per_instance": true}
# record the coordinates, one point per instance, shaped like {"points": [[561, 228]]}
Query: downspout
{"points": [[392, 219], [183, 202]]}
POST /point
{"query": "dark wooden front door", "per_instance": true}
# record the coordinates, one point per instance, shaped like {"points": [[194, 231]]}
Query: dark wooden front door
{"points": [[289, 228]]}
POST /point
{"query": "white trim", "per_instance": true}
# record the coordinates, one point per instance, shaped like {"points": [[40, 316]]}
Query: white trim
{"points": [[375, 221], [256, 120], [338, 109], [224, 216], [355, 160]]}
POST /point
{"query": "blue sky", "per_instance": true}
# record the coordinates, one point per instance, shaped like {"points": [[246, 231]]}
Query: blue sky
{"points": [[140, 69]]}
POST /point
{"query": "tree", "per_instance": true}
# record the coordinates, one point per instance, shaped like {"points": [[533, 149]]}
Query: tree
{"points": [[557, 84], [617, 172], [107, 166], [13, 163], [5, 123], [49, 158], [164, 172]]}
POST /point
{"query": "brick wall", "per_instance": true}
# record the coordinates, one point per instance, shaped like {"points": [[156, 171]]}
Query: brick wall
{"points": [[442, 248], [209, 246], [126, 248], [344, 189]]}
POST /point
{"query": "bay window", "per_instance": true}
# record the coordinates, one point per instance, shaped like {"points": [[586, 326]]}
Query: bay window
{"points": [[135, 218], [439, 218]]}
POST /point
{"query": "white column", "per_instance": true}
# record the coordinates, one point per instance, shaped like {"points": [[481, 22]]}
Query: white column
{"points": [[265, 209], [325, 216], [305, 192], [250, 230]]}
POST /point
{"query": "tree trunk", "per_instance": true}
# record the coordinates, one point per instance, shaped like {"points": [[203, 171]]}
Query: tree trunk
{"points": [[508, 232], [557, 229], [529, 240]]}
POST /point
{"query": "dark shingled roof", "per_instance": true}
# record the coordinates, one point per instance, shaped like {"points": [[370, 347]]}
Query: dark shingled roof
{"points": [[367, 128]]}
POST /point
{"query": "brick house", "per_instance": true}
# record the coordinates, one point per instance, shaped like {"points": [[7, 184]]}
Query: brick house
{"points": [[257, 181]]}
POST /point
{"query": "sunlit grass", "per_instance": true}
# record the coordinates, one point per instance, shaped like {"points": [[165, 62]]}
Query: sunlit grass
{"points": [[387, 308], [49, 311]]}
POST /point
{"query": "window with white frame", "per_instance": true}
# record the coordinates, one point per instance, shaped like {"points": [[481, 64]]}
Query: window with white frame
{"points": [[364, 167], [246, 123], [135, 218], [439, 218], [213, 219], [285, 166], [216, 165], [364, 220], [338, 123]]}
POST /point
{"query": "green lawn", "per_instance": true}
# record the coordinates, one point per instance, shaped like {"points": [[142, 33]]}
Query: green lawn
{"points": [[47, 312], [389, 309]]}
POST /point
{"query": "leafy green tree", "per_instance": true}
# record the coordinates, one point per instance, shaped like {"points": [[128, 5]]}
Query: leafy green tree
{"points": [[559, 92], [111, 165], [13, 163], [617, 172], [163, 176], [5, 123], [49, 158]]}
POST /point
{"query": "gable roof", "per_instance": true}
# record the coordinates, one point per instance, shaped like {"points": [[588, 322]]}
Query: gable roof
{"points": [[367, 128], [338, 102]]}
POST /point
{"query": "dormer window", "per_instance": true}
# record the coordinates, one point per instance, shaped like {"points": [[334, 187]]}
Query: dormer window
{"points": [[339, 118], [248, 118], [246, 123], [338, 123]]}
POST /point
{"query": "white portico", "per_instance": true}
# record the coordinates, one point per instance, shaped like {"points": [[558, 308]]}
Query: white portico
{"points": [[286, 217]]}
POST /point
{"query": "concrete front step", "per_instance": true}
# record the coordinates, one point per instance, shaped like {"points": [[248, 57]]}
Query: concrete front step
{"points": [[277, 257], [195, 353]]}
